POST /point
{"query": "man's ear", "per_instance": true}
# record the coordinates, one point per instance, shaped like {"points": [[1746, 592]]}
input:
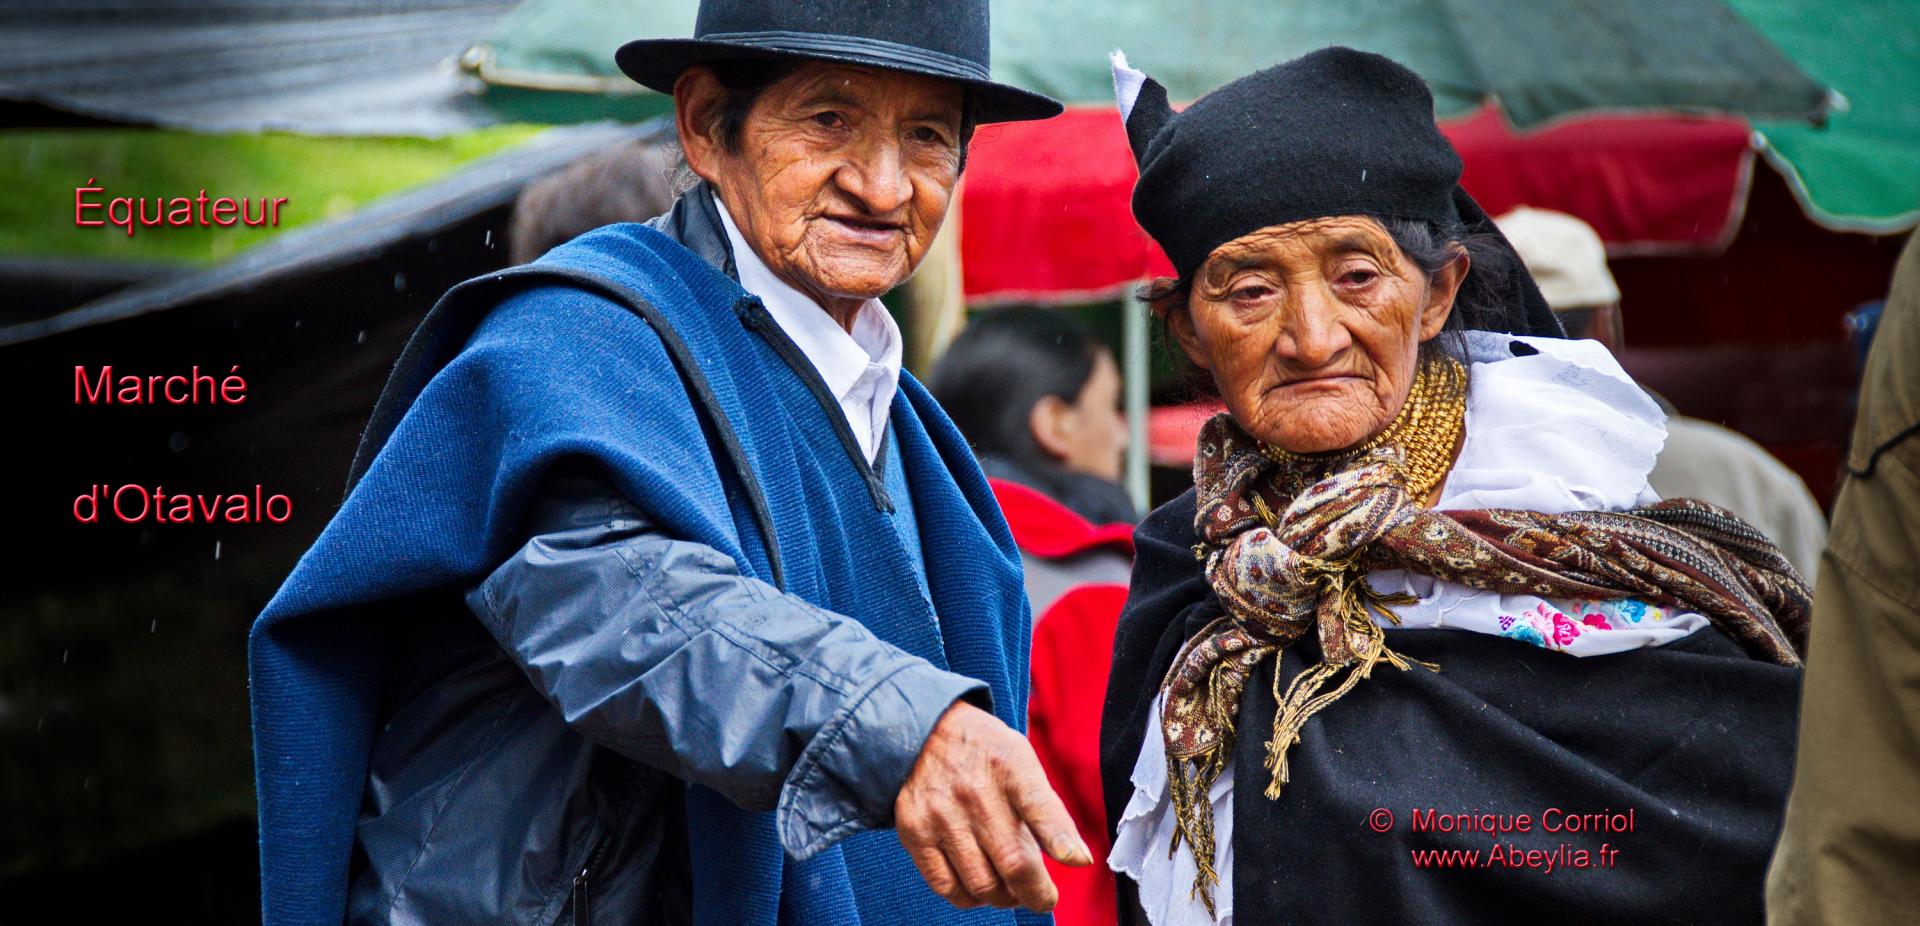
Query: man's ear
{"points": [[1050, 423], [1442, 287], [697, 96], [1180, 325]]}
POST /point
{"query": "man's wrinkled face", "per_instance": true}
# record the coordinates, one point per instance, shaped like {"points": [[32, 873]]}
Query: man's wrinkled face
{"points": [[1312, 329], [842, 176]]}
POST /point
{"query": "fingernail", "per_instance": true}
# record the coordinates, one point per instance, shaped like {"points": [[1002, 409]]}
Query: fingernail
{"points": [[1071, 848]]}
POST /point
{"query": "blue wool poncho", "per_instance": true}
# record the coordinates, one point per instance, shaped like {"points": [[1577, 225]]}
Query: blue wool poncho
{"points": [[626, 348]]}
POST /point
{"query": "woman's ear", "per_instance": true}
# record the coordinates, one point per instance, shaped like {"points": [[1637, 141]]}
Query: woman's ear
{"points": [[1180, 325], [1050, 421], [1442, 287], [697, 97]]}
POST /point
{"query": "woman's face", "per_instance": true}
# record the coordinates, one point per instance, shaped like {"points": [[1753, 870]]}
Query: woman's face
{"points": [[1312, 329], [1096, 431]]}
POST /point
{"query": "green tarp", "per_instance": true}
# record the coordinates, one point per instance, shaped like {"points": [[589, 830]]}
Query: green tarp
{"points": [[1861, 171], [1770, 60]]}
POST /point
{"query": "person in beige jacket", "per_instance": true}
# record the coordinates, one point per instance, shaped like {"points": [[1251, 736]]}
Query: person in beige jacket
{"points": [[1850, 850], [1701, 459]]}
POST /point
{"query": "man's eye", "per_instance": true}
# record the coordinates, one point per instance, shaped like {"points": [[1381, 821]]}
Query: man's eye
{"points": [[829, 119], [928, 136], [1250, 293], [1358, 277]]}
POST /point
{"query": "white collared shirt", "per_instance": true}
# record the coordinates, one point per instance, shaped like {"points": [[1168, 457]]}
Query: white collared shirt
{"points": [[861, 369]]}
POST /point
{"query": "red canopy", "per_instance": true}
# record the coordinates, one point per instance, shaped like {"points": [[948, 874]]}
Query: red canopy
{"points": [[1046, 215]]}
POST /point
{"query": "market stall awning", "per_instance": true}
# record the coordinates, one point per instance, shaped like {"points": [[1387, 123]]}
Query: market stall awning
{"points": [[1540, 60], [322, 67], [1628, 114], [1860, 171], [1048, 216]]}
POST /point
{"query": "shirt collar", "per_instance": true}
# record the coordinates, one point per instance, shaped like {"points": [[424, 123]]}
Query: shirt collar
{"points": [[840, 357]]}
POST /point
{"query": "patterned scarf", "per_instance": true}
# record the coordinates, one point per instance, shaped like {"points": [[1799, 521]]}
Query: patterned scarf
{"points": [[1281, 575]]}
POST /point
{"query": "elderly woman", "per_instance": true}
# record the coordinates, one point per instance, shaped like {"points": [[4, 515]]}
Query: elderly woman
{"points": [[1421, 646], [662, 595]]}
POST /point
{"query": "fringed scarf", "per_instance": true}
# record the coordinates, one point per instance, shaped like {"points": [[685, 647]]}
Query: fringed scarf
{"points": [[1280, 575]]}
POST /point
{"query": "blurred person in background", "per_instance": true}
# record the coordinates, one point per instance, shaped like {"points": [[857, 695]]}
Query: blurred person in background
{"points": [[1037, 396], [1701, 459], [1850, 849], [629, 182]]}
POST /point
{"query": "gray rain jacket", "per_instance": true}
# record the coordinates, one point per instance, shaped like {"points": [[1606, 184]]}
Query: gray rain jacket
{"points": [[610, 663]]}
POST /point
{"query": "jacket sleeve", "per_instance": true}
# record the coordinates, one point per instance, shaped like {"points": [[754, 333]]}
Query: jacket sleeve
{"points": [[660, 649]]}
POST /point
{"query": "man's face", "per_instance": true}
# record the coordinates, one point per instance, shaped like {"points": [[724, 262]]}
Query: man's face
{"points": [[842, 176]]}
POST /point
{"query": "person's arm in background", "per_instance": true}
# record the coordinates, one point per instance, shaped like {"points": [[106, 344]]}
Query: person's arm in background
{"points": [[1850, 848], [660, 649]]}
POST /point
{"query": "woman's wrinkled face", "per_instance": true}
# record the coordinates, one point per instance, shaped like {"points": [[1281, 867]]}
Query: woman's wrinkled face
{"points": [[842, 177], [1312, 329]]}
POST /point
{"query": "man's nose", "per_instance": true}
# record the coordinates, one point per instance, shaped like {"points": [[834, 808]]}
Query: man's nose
{"points": [[876, 175], [1311, 333]]}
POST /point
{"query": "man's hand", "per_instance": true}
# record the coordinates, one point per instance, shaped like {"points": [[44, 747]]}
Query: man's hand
{"points": [[975, 811]]}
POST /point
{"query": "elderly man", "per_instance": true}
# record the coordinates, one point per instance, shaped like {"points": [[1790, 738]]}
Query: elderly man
{"points": [[661, 592], [1701, 459]]}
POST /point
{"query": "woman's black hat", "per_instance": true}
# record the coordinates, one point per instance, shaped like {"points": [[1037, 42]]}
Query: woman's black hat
{"points": [[937, 38], [1333, 132]]}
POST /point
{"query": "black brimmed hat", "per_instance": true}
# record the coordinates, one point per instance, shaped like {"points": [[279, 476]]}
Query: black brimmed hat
{"points": [[1334, 132], [937, 38]]}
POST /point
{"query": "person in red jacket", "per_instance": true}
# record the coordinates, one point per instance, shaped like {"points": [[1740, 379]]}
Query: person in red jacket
{"points": [[1037, 395]]}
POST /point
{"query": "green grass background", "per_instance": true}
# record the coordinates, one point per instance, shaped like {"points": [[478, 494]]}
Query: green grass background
{"points": [[321, 178]]}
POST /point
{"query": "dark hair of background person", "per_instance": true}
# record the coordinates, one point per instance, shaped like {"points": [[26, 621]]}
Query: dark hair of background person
{"points": [[1431, 247], [1000, 366], [746, 79], [629, 182], [1578, 322]]}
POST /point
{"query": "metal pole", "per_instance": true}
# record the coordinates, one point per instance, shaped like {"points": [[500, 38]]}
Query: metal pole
{"points": [[1137, 370]]}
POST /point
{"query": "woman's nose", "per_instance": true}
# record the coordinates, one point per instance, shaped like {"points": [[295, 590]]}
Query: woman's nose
{"points": [[1312, 334]]}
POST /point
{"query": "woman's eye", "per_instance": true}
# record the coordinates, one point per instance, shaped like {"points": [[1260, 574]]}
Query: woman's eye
{"points": [[829, 119], [927, 136], [1358, 277], [1251, 292]]}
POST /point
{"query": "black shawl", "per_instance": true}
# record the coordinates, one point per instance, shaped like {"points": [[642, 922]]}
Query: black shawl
{"points": [[1695, 738]]}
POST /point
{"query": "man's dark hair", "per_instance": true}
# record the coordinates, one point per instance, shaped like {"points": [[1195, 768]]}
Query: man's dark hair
{"points": [[1001, 365], [745, 80]]}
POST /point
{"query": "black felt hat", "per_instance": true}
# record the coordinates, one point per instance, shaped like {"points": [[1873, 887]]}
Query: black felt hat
{"points": [[937, 38], [1333, 132]]}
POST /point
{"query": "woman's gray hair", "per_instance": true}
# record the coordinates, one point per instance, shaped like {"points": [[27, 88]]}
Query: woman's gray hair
{"points": [[1432, 247]]}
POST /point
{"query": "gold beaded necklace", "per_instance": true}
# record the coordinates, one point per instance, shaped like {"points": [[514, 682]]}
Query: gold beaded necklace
{"points": [[1426, 430]]}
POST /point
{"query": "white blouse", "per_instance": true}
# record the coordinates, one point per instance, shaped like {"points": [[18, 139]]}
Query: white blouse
{"points": [[1564, 429]]}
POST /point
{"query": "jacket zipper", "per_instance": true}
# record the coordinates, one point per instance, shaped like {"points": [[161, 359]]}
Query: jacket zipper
{"points": [[582, 882], [760, 320]]}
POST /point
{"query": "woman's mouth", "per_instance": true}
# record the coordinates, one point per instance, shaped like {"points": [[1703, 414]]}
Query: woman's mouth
{"points": [[870, 232], [1314, 383]]}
